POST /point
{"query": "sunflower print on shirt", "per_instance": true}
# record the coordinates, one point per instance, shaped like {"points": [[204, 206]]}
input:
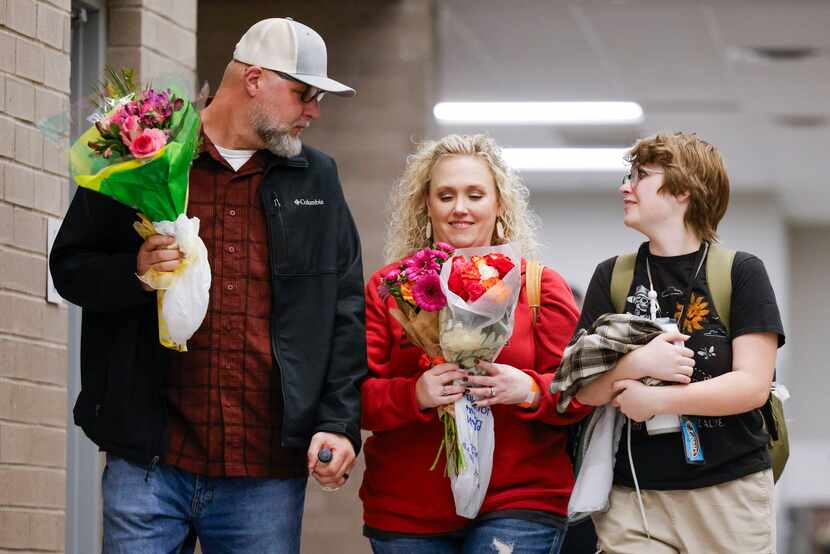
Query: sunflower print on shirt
{"points": [[695, 315]]}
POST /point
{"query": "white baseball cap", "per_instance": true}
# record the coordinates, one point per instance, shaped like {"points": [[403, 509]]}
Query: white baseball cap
{"points": [[284, 45]]}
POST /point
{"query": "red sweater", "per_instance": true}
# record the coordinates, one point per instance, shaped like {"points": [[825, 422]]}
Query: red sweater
{"points": [[531, 468]]}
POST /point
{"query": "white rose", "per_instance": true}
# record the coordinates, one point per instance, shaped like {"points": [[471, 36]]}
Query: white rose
{"points": [[486, 271], [459, 339]]}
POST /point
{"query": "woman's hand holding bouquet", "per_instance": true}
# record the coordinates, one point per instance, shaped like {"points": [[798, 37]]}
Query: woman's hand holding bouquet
{"points": [[436, 386], [503, 384]]}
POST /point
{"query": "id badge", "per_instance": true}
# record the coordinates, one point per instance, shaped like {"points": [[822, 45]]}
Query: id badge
{"points": [[692, 446]]}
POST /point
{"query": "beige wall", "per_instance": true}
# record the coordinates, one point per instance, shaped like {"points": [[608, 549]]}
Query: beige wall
{"points": [[384, 49], [157, 38], [810, 382], [34, 84], [807, 481]]}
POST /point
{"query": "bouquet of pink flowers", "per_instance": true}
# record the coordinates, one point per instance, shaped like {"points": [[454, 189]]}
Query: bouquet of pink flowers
{"points": [[139, 152], [415, 282], [416, 287], [139, 127], [140, 148]]}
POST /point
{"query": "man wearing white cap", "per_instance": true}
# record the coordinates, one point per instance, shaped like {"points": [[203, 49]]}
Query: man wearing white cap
{"points": [[217, 443]]}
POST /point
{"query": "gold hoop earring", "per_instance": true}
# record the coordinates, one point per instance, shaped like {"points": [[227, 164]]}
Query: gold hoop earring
{"points": [[428, 230], [499, 229]]}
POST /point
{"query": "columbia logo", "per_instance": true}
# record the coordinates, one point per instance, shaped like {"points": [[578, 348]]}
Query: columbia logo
{"points": [[306, 202]]}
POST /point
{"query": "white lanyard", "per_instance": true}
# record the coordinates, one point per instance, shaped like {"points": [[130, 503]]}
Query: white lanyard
{"points": [[652, 294]]}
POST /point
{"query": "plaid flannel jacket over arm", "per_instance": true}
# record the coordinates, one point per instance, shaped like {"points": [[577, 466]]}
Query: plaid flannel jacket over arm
{"points": [[594, 351]]}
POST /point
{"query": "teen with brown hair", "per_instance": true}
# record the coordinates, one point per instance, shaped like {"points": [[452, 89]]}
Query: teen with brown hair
{"points": [[676, 194]]}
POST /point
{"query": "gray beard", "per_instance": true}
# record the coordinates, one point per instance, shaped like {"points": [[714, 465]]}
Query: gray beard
{"points": [[277, 138]]}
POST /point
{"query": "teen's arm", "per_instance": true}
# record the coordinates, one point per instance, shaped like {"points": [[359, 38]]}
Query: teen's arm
{"points": [[744, 388], [660, 359]]}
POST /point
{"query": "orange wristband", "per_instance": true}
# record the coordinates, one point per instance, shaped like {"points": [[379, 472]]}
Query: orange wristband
{"points": [[531, 396]]}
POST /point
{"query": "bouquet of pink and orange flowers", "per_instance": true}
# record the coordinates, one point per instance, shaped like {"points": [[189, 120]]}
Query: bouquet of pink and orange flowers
{"points": [[481, 293], [460, 312], [139, 152], [471, 279], [482, 287]]}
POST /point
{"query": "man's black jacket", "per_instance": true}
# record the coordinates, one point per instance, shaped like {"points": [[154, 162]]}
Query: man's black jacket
{"points": [[317, 319]]}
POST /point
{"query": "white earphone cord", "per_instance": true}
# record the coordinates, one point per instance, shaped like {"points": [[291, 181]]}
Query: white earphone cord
{"points": [[637, 484]]}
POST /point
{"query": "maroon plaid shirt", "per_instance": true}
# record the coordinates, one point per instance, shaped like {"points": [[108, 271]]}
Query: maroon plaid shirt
{"points": [[224, 394]]}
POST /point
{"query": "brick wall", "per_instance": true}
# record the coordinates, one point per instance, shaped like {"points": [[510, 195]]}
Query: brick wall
{"points": [[34, 84], [157, 38]]}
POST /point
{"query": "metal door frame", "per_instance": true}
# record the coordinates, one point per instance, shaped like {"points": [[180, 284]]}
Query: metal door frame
{"points": [[83, 465]]}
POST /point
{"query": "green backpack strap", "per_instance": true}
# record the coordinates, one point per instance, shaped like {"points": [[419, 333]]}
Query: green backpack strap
{"points": [[719, 275], [621, 277], [718, 271]]}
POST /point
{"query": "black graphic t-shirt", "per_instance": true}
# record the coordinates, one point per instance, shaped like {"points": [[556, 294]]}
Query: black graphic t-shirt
{"points": [[733, 446]]}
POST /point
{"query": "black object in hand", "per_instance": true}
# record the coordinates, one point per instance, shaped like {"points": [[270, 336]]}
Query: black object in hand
{"points": [[324, 455]]}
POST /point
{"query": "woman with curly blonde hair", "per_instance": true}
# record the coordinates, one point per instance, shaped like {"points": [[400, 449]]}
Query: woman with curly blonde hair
{"points": [[409, 213], [459, 191]]}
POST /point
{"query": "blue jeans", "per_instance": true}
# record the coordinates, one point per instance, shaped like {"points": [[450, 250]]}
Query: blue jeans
{"points": [[166, 509], [517, 536]]}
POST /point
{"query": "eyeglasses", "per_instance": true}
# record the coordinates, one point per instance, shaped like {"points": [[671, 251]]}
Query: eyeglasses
{"points": [[633, 176], [310, 93]]}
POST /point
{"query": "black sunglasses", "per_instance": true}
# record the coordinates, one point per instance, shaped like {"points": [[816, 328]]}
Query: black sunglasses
{"points": [[310, 93]]}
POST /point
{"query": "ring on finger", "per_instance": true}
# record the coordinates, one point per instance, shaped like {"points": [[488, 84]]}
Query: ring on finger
{"points": [[492, 392]]}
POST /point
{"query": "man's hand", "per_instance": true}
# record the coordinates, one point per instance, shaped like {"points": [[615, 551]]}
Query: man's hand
{"points": [[334, 473], [434, 387], [636, 400], [665, 359], [156, 254]]}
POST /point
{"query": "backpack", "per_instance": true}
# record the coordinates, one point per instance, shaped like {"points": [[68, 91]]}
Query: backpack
{"points": [[533, 285], [719, 275]]}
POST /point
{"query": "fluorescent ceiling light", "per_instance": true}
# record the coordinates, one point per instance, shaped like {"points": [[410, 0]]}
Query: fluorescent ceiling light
{"points": [[539, 113], [565, 159]]}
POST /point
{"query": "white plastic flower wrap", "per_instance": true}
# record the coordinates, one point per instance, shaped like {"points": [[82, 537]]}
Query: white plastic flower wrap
{"points": [[183, 294], [482, 289]]}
